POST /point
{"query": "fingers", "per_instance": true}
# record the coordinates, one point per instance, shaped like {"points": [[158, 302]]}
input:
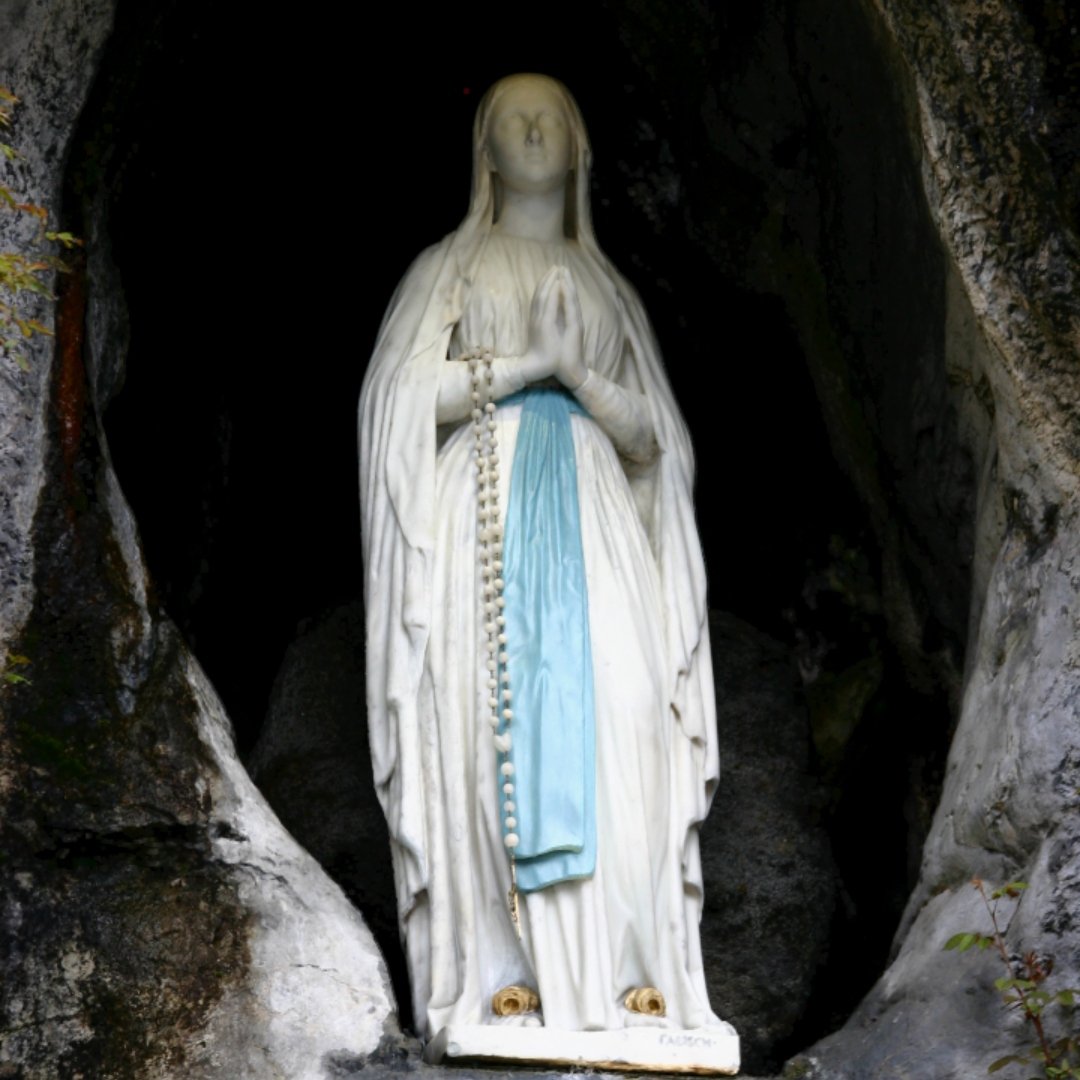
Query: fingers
{"points": [[571, 302], [543, 292]]}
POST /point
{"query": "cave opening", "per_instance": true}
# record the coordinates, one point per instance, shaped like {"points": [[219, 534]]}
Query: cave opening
{"points": [[263, 186]]}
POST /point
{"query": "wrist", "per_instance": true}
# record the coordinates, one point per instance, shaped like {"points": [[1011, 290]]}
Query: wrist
{"points": [[510, 376], [581, 383]]}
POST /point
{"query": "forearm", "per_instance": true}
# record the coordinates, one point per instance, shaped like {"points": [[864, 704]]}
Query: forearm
{"points": [[623, 414], [455, 386]]}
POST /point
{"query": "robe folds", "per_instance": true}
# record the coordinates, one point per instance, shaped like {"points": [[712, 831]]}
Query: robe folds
{"points": [[633, 920]]}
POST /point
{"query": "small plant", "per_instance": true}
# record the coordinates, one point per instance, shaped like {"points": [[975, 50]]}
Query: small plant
{"points": [[8, 673], [23, 274], [1023, 988]]}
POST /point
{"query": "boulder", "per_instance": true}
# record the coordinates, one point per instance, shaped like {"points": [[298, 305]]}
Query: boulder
{"points": [[770, 883]]}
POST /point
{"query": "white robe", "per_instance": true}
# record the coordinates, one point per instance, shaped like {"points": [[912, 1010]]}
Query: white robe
{"points": [[634, 922]]}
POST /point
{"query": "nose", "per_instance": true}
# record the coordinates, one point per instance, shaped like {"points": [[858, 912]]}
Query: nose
{"points": [[533, 137]]}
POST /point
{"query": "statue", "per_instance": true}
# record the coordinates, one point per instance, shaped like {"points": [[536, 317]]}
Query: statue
{"points": [[539, 681]]}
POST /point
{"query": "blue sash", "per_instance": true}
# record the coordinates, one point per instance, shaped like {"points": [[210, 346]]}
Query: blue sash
{"points": [[548, 648]]}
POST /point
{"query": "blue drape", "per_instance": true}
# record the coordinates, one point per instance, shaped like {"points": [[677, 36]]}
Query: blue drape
{"points": [[548, 648]]}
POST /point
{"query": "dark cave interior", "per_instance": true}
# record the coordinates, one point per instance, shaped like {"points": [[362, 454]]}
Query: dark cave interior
{"points": [[267, 183]]}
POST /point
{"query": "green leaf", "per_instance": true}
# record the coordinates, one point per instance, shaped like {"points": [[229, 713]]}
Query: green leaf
{"points": [[13, 677], [1007, 983], [1008, 1059], [961, 942], [1012, 888], [69, 240], [1066, 997]]}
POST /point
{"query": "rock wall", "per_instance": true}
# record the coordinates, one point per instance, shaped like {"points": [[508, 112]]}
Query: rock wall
{"points": [[895, 177], [155, 918], [978, 85]]}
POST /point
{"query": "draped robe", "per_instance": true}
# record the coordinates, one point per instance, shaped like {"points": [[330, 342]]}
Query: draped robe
{"points": [[635, 920]]}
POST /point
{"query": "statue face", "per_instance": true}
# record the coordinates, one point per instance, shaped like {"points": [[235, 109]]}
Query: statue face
{"points": [[529, 140]]}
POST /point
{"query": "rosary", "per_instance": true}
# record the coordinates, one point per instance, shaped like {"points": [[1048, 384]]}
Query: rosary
{"points": [[490, 536]]}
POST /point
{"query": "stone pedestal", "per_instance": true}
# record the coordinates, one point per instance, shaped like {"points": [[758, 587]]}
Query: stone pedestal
{"points": [[704, 1051]]}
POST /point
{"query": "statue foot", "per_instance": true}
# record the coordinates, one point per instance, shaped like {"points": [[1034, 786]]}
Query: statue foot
{"points": [[646, 1007], [512, 1001]]}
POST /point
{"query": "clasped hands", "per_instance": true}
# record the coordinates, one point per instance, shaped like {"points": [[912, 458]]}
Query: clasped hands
{"points": [[556, 336]]}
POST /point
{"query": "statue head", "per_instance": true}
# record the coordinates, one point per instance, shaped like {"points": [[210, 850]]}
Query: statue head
{"points": [[529, 146], [529, 135]]}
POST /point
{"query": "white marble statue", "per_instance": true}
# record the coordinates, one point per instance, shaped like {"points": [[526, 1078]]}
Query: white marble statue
{"points": [[571, 598]]}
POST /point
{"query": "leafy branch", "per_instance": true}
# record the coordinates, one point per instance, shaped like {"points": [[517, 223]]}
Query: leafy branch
{"points": [[1022, 989], [22, 274]]}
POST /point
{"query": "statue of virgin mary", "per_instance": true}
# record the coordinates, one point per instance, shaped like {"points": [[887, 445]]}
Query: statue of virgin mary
{"points": [[541, 711]]}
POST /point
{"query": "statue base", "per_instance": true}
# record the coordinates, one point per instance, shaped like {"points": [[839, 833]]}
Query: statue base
{"points": [[712, 1051]]}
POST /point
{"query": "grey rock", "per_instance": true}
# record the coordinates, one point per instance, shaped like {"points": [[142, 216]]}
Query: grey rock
{"points": [[156, 920], [47, 56], [770, 884], [1008, 808], [313, 764]]}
